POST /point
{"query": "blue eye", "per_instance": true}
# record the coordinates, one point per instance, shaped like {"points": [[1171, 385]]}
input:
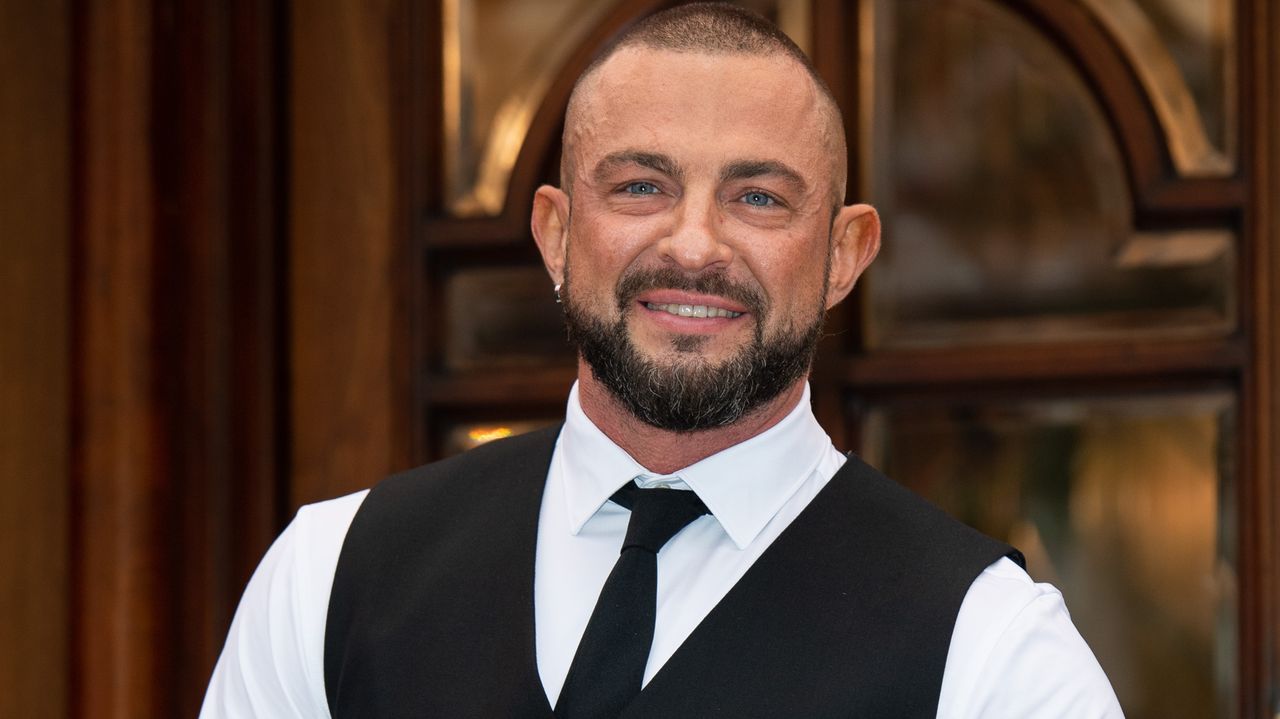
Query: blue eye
{"points": [[642, 188], [757, 199]]}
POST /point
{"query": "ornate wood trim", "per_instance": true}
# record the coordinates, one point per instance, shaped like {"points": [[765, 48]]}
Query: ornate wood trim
{"points": [[120, 617], [176, 342]]}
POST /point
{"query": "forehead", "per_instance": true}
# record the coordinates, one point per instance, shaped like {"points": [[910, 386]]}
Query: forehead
{"points": [[701, 108]]}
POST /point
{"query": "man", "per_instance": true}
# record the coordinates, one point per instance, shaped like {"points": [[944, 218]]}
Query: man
{"points": [[696, 244]]}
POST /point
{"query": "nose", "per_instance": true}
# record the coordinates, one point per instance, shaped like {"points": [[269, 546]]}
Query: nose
{"points": [[696, 242]]}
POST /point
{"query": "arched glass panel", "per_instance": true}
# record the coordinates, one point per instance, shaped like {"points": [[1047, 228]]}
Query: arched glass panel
{"points": [[1007, 214], [1184, 54], [499, 57]]}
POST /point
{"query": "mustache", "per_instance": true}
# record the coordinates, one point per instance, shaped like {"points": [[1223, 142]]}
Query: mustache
{"points": [[718, 283]]}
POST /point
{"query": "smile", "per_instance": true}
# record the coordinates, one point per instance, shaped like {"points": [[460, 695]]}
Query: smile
{"points": [[691, 310]]}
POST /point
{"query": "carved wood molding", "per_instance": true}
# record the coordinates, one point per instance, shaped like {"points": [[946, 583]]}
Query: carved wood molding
{"points": [[175, 473]]}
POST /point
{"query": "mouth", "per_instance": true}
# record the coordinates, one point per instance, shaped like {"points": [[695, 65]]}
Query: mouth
{"points": [[684, 311], [688, 310], [678, 303]]}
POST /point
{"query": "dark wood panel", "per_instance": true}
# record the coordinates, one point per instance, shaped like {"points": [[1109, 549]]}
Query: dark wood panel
{"points": [[349, 413], [419, 118], [256, 243], [191, 270], [501, 388], [214, 109], [35, 229]]}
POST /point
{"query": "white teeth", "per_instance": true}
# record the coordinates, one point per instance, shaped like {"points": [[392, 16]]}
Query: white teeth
{"points": [[692, 310]]}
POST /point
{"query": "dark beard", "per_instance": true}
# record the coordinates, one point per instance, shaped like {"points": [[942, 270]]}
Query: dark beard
{"points": [[689, 393]]}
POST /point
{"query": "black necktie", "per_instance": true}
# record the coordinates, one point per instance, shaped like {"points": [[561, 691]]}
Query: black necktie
{"points": [[609, 665]]}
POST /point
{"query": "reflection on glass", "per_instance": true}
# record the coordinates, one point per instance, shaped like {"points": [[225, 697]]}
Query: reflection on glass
{"points": [[1184, 54], [1007, 214], [499, 58], [1124, 504], [463, 437], [502, 317]]}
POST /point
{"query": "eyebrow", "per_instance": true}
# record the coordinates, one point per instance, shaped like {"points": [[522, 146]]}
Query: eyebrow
{"points": [[652, 160], [747, 169]]}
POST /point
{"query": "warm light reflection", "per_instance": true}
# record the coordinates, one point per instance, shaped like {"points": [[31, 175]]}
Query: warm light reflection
{"points": [[1125, 504], [1184, 54], [1007, 213], [480, 435], [462, 437], [499, 57]]}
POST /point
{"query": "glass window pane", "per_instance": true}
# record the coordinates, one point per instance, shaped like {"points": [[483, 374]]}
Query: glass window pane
{"points": [[1007, 214], [1125, 504], [499, 57], [502, 317]]}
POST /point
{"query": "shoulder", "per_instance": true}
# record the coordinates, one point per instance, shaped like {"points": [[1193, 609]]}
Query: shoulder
{"points": [[271, 664], [1015, 652], [316, 534]]}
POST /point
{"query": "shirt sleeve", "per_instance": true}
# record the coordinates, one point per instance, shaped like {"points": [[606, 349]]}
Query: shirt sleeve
{"points": [[1015, 653], [272, 664]]}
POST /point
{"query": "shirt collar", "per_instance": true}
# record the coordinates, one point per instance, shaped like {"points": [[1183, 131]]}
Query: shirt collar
{"points": [[744, 486]]}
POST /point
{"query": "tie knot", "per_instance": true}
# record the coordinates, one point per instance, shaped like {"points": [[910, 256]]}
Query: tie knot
{"points": [[656, 514]]}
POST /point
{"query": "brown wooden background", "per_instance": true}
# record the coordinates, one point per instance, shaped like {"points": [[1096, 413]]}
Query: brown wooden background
{"points": [[215, 293]]}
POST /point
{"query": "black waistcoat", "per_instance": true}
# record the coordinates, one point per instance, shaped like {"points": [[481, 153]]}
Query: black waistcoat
{"points": [[848, 614]]}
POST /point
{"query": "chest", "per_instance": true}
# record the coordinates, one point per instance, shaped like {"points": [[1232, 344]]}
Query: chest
{"points": [[847, 613]]}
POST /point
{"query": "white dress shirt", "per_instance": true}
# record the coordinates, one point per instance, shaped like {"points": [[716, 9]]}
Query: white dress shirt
{"points": [[1014, 651]]}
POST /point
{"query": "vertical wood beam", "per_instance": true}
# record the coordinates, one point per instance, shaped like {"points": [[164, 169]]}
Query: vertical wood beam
{"points": [[191, 348], [1262, 383], [256, 236], [35, 237], [349, 412], [120, 617]]}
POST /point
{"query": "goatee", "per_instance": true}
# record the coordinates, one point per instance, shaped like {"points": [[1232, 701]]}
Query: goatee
{"points": [[684, 391]]}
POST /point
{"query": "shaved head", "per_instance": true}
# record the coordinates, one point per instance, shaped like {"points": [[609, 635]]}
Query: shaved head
{"points": [[717, 29]]}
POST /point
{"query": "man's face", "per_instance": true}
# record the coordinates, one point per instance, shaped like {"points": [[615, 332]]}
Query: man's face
{"points": [[698, 241]]}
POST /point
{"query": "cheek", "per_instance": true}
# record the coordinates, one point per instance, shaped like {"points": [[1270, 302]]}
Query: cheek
{"points": [[793, 270], [602, 246]]}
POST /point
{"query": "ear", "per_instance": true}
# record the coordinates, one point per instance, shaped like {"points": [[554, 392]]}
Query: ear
{"points": [[855, 239], [550, 225]]}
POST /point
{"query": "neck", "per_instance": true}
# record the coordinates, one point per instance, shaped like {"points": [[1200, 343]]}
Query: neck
{"points": [[664, 451]]}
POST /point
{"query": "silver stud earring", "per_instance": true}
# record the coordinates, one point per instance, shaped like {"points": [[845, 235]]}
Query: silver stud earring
{"points": [[557, 291]]}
